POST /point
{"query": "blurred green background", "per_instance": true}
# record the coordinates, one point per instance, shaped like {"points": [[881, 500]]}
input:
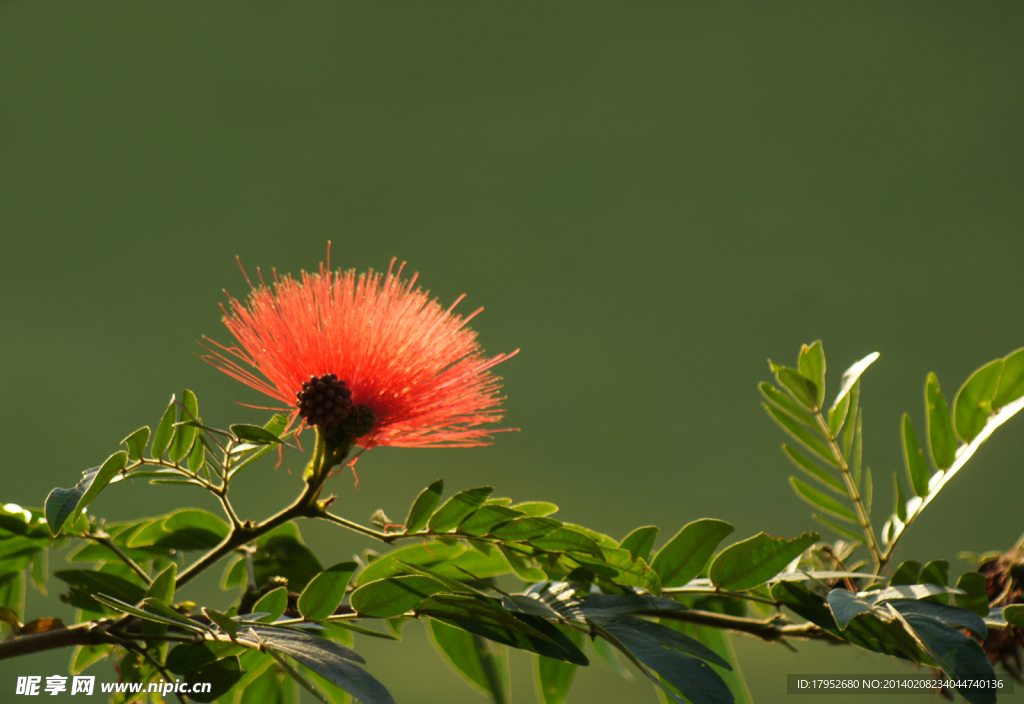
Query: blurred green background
{"points": [[649, 200]]}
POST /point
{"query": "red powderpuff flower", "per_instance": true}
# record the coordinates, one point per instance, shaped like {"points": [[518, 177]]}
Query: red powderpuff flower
{"points": [[340, 348]]}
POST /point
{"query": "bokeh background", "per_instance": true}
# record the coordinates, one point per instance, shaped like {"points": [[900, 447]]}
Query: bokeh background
{"points": [[650, 200]]}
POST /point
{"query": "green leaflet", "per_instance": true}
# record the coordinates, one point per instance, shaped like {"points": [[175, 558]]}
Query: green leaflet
{"points": [[683, 557], [754, 561], [324, 592]]}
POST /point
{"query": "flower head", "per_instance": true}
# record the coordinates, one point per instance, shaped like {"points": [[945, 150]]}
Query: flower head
{"points": [[367, 354]]}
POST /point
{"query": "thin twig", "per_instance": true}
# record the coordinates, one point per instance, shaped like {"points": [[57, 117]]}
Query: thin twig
{"points": [[104, 540]]}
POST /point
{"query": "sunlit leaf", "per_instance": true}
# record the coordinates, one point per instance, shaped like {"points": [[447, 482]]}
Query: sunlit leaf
{"points": [[164, 431], [822, 501], [845, 532], [683, 557], [941, 440], [136, 443], [852, 375], [1011, 381], [913, 459], [423, 507], [808, 439], [185, 435], [394, 596], [273, 603], [324, 593], [427, 554], [459, 507], [640, 541], [973, 404], [812, 366], [803, 390], [536, 508], [526, 528], [787, 404], [754, 561], [567, 539], [254, 434]]}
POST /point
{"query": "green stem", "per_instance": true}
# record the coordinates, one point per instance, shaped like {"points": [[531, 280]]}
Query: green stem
{"points": [[851, 487], [307, 505]]}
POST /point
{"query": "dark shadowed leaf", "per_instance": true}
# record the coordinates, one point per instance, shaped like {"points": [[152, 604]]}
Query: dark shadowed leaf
{"points": [[913, 459], [949, 615], [906, 573], [683, 557], [524, 631], [821, 501], [975, 597], [456, 509], [941, 440], [958, 655], [554, 677], [62, 503], [1014, 615], [325, 591], [188, 657], [95, 582], [690, 675], [327, 658], [899, 498], [935, 572], [162, 589], [482, 664], [755, 560], [221, 675], [973, 404], [640, 541], [423, 507]]}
